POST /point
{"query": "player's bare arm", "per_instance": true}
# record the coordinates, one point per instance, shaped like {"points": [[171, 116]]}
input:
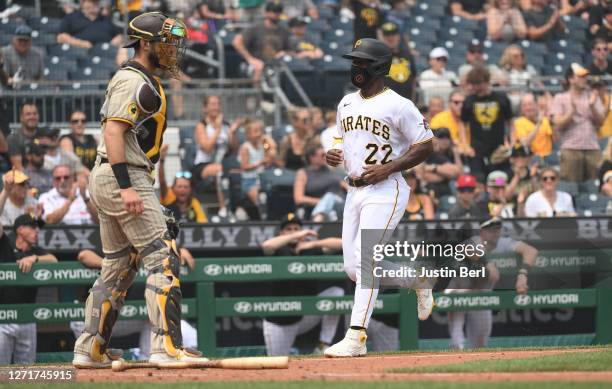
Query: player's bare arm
{"points": [[415, 155], [334, 157], [529, 255], [115, 146]]}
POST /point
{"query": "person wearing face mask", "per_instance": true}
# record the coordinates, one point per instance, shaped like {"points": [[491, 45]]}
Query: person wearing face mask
{"points": [[263, 42], [382, 134]]}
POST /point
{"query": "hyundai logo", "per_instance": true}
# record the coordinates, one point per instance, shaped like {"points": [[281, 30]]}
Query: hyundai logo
{"points": [[522, 300], [296, 268], [42, 313], [129, 311], [42, 275], [444, 302], [541, 261], [243, 307], [325, 305], [213, 269]]}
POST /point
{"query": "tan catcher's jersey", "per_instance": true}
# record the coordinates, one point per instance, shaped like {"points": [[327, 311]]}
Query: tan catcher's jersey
{"points": [[142, 143], [378, 129]]}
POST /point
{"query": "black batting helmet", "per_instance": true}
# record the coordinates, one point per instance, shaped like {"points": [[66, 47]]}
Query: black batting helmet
{"points": [[375, 51]]}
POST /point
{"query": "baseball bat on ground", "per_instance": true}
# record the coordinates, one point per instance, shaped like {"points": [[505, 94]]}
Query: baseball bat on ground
{"points": [[248, 363]]}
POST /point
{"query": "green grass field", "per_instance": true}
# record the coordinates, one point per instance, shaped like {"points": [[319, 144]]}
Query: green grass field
{"points": [[319, 385], [580, 361]]}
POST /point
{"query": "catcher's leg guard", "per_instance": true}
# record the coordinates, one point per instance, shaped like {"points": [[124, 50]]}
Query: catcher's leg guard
{"points": [[105, 300], [163, 295]]}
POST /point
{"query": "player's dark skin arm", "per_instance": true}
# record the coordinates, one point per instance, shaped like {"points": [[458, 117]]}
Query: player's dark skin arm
{"points": [[418, 153]]}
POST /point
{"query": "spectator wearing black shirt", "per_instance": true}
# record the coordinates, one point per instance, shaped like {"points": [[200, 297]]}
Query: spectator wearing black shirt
{"points": [[87, 26], [78, 143], [215, 12], [542, 21], [367, 18], [443, 165], [18, 341], [603, 28], [299, 42], [488, 114], [469, 9], [600, 66], [280, 332], [466, 206], [263, 42], [402, 75], [17, 141]]}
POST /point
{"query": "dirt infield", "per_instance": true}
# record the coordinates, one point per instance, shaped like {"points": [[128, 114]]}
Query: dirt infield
{"points": [[358, 369]]}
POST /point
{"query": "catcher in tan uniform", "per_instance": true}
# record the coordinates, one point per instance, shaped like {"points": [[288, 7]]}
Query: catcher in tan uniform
{"points": [[133, 227]]}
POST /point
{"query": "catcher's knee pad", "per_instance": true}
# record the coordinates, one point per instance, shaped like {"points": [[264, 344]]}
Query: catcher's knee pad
{"points": [[164, 282], [107, 299]]}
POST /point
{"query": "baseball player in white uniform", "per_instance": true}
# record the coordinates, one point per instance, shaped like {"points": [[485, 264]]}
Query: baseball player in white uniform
{"points": [[382, 134]]}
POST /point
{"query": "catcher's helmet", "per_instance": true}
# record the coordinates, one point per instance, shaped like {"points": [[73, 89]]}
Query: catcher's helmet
{"points": [[157, 27], [374, 51]]}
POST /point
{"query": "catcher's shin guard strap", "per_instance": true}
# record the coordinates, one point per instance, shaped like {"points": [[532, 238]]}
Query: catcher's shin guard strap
{"points": [[168, 299], [168, 266]]}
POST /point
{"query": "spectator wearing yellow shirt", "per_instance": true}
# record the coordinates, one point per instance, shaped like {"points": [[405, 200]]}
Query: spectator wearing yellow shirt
{"points": [[533, 128], [451, 119], [179, 198]]}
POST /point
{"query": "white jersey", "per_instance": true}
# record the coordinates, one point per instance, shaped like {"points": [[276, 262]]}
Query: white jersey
{"points": [[378, 129]]}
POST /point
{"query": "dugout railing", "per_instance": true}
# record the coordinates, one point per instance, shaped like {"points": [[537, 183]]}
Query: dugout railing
{"points": [[206, 306]]}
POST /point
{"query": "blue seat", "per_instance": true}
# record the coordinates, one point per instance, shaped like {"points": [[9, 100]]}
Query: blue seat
{"points": [[423, 35], [336, 49], [569, 187], [104, 50], [428, 24], [593, 203], [461, 23], [534, 48], [55, 73], [9, 25], [187, 147], [567, 46], [446, 203], [603, 142], [589, 186], [67, 64], [429, 9], [575, 23], [319, 25], [337, 35], [67, 51], [46, 24], [342, 24]]}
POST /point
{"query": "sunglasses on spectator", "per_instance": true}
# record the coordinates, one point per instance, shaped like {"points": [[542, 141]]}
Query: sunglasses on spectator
{"points": [[76, 121], [465, 190], [60, 178], [186, 175], [601, 49], [304, 120], [457, 102], [441, 59], [549, 178]]}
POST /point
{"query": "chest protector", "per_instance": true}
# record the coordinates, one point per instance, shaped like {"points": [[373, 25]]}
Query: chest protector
{"points": [[151, 101]]}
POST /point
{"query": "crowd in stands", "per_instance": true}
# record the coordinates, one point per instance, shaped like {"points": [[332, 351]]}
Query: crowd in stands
{"points": [[473, 67]]}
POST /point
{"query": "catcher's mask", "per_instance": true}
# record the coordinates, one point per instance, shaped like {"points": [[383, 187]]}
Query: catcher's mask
{"points": [[168, 33]]}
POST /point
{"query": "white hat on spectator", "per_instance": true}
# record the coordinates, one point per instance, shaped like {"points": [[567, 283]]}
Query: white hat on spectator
{"points": [[438, 52]]}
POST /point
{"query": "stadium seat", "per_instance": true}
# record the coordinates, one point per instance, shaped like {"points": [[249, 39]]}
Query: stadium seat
{"points": [[278, 184], [43, 39], [589, 186], [427, 24], [325, 13], [420, 36], [67, 64], [461, 23], [603, 142], [593, 202], [46, 24], [446, 203], [5, 40], [342, 37], [8, 26], [575, 23], [567, 46], [533, 48], [319, 25], [90, 73], [55, 73], [429, 9], [67, 51], [336, 49], [187, 148], [569, 187], [104, 50], [341, 23], [456, 35]]}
